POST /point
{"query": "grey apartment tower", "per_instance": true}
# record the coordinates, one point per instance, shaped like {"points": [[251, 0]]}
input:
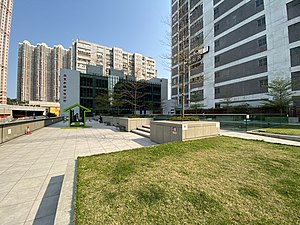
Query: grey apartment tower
{"points": [[243, 44], [6, 7], [39, 70]]}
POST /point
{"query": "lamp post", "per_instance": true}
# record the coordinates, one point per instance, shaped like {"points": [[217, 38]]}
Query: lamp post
{"points": [[247, 117]]}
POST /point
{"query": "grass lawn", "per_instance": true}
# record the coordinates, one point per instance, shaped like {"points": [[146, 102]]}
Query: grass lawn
{"points": [[287, 130], [211, 181]]}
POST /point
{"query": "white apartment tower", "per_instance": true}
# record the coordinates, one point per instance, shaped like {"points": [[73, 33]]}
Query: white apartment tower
{"points": [[38, 71], [134, 64], [6, 7], [242, 45]]}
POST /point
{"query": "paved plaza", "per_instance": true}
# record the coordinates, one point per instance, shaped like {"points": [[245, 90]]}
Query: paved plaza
{"points": [[32, 167]]}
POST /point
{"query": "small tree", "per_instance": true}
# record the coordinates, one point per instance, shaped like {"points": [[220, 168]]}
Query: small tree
{"points": [[103, 102], [280, 93], [132, 93], [117, 101]]}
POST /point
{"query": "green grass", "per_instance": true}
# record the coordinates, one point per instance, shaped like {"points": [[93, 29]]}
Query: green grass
{"points": [[211, 181], [74, 128], [286, 130]]}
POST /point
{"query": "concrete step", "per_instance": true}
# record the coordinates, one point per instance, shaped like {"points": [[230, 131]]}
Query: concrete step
{"points": [[144, 129], [146, 126], [142, 133]]}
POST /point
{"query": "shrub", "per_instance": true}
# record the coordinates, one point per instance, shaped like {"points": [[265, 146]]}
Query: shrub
{"points": [[186, 118], [135, 116]]}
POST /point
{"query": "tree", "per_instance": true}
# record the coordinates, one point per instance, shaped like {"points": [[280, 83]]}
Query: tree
{"points": [[132, 93], [280, 93], [117, 101], [188, 55], [103, 102]]}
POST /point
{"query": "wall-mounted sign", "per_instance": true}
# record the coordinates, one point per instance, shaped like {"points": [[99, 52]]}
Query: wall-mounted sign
{"points": [[174, 130], [184, 127]]}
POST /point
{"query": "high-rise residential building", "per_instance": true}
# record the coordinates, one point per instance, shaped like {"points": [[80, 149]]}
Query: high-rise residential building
{"points": [[86, 53], [39, 70], [6, 7], [234, 48]]}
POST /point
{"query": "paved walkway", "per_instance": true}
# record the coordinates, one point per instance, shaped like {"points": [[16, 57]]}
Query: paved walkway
{"points": [[32, 167], [248, 136]]}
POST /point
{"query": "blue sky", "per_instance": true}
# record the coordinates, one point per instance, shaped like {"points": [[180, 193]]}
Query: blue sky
{"points": [[133, 25]]}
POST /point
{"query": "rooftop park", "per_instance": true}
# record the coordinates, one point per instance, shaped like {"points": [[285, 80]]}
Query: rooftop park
{"points": [[217, 180]]}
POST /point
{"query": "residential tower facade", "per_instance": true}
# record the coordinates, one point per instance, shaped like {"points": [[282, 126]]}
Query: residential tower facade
{"points": [[86, 53], [6, 7], [243, 45], [39, 70]]}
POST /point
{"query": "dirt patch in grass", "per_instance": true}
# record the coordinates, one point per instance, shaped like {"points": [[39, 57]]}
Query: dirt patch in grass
{"points": [[211, 181]]}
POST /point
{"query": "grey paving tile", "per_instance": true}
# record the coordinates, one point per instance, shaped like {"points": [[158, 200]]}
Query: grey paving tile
{"points": [[26, 183], [6, 187], [37, 172], [20, 196], [14, 214]]}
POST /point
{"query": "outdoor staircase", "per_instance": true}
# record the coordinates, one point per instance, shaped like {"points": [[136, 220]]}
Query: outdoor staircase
{"points": [[143, 131]]}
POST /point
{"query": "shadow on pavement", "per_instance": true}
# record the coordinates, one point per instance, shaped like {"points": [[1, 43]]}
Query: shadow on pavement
{"points": [[47, 209]]}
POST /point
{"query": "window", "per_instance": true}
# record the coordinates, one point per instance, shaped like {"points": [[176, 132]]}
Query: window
{"points": [[262, 62], [259, 3], [216, 11], [263, 83], [217, 27], [217, 43], [217, 74], [217, 59], [261, 22], [262, 42], [217, 90]]}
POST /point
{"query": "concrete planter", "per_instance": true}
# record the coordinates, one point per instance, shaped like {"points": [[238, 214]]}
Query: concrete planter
{"points": [[133, 123], [107, 119], [293, 119], [169, 131]]}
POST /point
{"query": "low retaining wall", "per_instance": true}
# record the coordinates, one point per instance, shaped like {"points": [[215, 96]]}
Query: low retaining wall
{"points": [[129, 123], [169, 131], [133, 123], [10, 131]]}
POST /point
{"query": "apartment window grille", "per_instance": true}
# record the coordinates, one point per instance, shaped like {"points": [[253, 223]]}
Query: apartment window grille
{"points": [[262, 62], [217, 27], [259, 3], [216, 11], [261, 22], [262, 42], [263, 83]]}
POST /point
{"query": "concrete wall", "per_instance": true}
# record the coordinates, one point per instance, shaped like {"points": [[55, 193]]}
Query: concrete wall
{"points": [[133, 123], [12, 130], [169, 131], [129, 123]]}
